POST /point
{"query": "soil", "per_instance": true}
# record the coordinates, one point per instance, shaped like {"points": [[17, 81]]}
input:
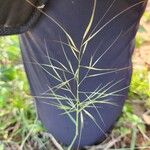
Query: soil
{"points": [[141, 57]]}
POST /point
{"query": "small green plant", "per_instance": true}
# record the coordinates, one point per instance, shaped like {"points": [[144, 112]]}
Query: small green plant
{"points": [[139, 88], [146, 16]]}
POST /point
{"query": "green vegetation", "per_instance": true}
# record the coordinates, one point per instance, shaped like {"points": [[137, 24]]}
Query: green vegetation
{"points": [[18, 121]]}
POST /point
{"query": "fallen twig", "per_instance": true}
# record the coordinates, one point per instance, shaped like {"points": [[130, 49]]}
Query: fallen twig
{"points": [[106, 146]]}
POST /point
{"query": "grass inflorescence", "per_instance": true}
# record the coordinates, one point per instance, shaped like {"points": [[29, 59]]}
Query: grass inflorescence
{"points": [[93, 99]]}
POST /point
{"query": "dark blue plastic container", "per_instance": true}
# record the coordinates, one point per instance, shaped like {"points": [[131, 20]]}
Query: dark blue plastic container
{"points": [[112, 39]]}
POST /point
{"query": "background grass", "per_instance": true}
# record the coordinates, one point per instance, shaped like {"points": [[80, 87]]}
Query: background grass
{"points": [[20, 129]]}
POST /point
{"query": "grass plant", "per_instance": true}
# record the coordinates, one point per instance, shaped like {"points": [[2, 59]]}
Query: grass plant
{"points": [[94, 99]]}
